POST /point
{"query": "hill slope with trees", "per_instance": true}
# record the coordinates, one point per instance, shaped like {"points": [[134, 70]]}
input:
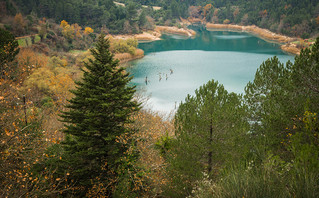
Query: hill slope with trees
{"points": [[95, 141], [289, 17]]}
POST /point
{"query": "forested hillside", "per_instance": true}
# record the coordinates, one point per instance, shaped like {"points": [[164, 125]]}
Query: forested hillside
{"points": [[289, 17], [97, 14], [72, 124]]}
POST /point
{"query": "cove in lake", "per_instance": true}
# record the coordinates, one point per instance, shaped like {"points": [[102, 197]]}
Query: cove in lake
{"points": [[231, 58]]}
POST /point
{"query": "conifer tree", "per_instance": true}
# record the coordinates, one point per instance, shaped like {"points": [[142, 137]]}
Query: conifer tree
{"points": [[97, 136], [305, 74], [208, 126], [269, 98]]}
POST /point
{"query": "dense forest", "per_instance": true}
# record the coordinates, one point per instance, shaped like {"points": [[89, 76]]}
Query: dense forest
{"points": [[96, 14], [72, 125], [289, 17]]}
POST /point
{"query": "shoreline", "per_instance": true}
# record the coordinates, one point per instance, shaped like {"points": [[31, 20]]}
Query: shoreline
{"points": [[267, 35], [126, 57], [154, 35], [286, 43], [149, 36]]}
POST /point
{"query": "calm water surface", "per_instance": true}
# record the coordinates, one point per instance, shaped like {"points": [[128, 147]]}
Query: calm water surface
{"points": [[175, 66]]}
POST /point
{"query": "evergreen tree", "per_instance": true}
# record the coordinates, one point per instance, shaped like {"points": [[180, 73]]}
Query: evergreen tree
{"points": [[277, 95], [97, 137], [208, 126], [283, 106], [269, 98], [305, 75], [131, 11], [142, 19]]}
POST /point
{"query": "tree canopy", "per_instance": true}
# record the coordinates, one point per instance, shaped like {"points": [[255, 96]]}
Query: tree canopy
{"points": [[208, 126]]}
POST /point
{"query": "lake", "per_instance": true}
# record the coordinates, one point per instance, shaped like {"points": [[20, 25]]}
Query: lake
{"points": [[175, 66]]}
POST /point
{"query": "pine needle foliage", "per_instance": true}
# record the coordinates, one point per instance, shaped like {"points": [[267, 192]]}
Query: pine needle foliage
{"points": [[97, 136], [210, 127]]}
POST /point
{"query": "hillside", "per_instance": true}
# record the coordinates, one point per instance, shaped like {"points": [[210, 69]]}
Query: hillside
{"points": [[72, 123], [288, 17]]}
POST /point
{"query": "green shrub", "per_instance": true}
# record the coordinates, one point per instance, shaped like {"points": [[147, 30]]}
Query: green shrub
{"points": [[47, 102], [164, 144], [124, 46], [251, 180]]}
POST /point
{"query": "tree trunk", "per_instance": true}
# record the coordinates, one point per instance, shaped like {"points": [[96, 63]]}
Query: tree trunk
{"points": [[210, 153]]}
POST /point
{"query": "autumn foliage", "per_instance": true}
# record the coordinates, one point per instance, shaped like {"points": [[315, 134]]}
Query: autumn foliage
{"points": [[19, 24], [88, 30], [23, 140], [207, 8], [152, 127], [24, 131], [74, 31]]}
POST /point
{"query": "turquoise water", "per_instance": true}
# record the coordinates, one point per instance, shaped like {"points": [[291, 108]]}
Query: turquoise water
{"points": [[175, 66]]}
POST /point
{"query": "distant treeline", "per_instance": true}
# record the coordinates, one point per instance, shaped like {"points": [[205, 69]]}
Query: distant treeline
{"points": [[290, 17], [86, 13], [74, 11]]}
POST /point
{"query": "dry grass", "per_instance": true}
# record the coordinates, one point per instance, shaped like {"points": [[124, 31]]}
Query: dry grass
{"points": [[156, 8], [175, 30], [139, 52], [146, 36], [125, 57], [290, 48], [119, 4], [224, 26], [156, 34]]}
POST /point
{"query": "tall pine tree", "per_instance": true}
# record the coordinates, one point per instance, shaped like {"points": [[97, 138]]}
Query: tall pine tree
{"points": [[271, 105], [97, 136], [210, 127]]}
